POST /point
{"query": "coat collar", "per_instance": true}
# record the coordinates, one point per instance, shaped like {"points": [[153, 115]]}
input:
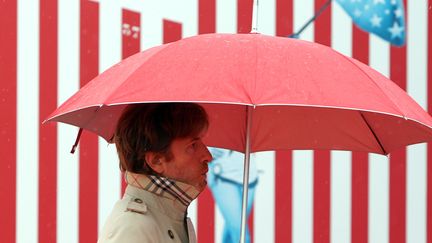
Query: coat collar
{"points": [[177, 191]]}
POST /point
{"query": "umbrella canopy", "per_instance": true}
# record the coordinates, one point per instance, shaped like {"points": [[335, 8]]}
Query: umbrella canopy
{"points": [[301, 95]]}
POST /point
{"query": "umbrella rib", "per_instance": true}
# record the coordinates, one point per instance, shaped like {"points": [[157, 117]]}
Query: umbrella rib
{"points": [[372, 131], [373, 81]]}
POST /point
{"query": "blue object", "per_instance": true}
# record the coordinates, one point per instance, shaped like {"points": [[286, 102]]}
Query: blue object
{"points": [[225, 179], [384, 18]]}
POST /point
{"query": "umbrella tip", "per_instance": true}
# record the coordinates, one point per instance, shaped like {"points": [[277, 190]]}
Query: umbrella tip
{"points": [[76, 141]]}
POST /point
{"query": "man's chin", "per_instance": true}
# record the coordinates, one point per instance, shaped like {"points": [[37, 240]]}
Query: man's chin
{"points": [[201, 186]]}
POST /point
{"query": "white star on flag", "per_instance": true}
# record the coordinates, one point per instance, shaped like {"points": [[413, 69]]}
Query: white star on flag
{"points": [[357, 13], [376, 21], [398, 12], [395, 30], [379, 17]]}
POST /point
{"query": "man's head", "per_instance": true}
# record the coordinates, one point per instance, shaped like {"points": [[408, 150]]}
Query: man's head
{"points": [[163, 139]]}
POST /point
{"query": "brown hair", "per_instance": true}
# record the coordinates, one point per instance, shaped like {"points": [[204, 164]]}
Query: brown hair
{"points": [[146, 128]]}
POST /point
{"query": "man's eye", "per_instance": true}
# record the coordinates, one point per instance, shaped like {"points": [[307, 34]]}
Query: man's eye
{"points": [[191, 148]]}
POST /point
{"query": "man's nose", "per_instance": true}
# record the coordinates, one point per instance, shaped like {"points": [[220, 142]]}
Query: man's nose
{"points": [[207, 155]]}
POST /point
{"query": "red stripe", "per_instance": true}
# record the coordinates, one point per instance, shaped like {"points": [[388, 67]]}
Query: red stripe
{"points": [[8, 106], [283, 159], [321, 198], [359, 199], [131, 34], [429, 170], [397, 196], [397, 217], [131, 38], [244, 16], [322, 26], [283, 196], [206, 218], [284, 18], [207, 16], [398, 65], [429, 147], [88, 168], [206, 203], [360, 163], [321, 220], [398, 61], [360, 47], [172, 31], [48, 133]]}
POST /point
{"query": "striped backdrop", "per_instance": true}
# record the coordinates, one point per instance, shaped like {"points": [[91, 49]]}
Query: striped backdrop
{"points": [[50, 48]]}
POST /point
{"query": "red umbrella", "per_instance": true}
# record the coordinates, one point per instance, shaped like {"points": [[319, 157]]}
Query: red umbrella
{"points": [[261, 93], [304, 95]]}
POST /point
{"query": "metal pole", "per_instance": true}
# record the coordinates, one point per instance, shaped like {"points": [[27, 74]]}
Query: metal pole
{"points": [[246, 175], [317, 14], [255, 17]]}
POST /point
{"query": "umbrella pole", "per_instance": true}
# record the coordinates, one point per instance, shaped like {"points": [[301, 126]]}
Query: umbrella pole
{"points": [[246, 176]]}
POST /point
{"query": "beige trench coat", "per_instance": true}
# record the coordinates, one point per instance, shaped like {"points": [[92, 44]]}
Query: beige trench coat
{"points": [[144, 217]]}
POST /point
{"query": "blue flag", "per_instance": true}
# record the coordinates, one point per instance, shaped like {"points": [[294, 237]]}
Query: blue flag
{"points": [[384, 18]]}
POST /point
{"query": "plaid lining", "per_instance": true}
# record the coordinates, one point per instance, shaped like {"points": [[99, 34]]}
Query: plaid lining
{"points": [[163, 187]]}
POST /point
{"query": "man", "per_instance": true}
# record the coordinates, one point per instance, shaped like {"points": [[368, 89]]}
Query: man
{"points": [[165, 163]]}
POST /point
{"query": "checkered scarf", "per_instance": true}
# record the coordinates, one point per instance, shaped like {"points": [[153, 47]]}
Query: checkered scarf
{"points": [[163, 187]]}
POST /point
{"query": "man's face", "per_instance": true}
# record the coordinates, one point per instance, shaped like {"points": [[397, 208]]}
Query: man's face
{"points": [[189, 163]]}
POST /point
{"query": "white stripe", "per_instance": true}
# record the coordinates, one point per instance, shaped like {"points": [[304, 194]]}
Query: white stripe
{"points": [[226, 16], [417, 154], [68, 83], [416, 193], [27, 122], [417, 55], [302, 207], [188, 17], [264, 205], [192, 213], [219, 225], [266, 18], [379, 55], [340, 209], [109, 179], [109, 34], [341, 26], [264, 211], [154, 12], [303, 11], [151, 24], [378, 219]]}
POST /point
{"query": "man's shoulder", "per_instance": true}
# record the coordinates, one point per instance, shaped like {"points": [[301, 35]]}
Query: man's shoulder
{"points": [[134, 210], [130, 221]]}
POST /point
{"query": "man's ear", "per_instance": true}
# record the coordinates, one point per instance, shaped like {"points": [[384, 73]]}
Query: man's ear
{"points": [[154, 160]]}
